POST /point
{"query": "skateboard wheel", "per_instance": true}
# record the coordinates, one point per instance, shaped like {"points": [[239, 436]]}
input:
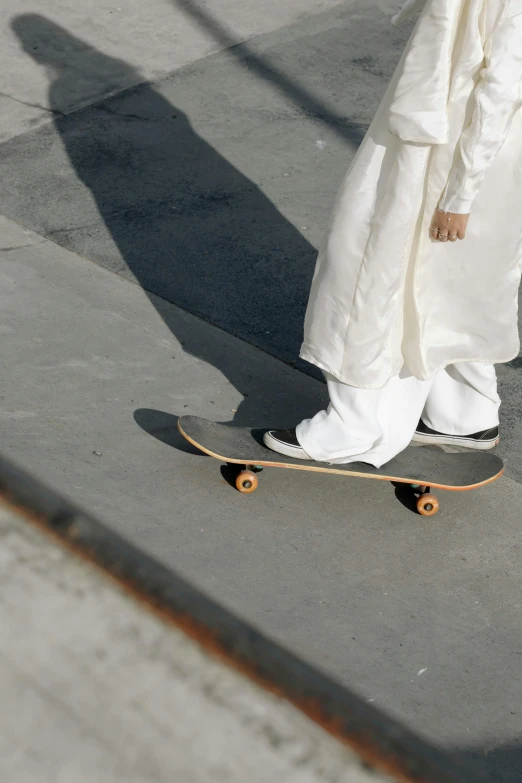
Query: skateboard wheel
{"points": [[427, 505], [246, 482]]}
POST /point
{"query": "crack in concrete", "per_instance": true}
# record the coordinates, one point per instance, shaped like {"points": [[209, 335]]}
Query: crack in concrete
{"points": [[70, 229], [17, 247], [31, 105]]}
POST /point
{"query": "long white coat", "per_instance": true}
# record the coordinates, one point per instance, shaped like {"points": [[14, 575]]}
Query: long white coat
{"points": [[449, 133]]}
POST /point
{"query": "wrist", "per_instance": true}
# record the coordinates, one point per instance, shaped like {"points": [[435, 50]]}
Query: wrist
{"points": [[455, 205]]}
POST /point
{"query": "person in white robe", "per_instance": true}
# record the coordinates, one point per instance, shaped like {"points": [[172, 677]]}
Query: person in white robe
{"points": [[415, 292]]}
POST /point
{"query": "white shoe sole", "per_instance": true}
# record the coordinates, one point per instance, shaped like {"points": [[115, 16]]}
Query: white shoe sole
{"points": [[284, 448], [448, 440]]}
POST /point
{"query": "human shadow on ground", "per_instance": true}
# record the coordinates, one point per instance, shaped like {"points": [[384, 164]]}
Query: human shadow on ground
{"points": [[186, 223]]}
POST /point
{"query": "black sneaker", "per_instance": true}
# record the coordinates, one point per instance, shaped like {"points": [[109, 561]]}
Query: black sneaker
{"points": [[487, 439], [285, 442]]}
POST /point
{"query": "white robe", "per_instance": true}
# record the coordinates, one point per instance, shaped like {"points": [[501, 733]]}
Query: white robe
{"points": [[449, 133]]}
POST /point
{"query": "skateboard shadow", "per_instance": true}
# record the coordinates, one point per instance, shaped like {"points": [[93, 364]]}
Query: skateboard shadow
{"points": [[405, 496], [164, 427]]}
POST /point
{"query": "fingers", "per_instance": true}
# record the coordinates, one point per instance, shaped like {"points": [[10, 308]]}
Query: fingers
{"points": [[444, 226], [456, 232], [442, 233], [435, 228], [439, 227], [448, 227]]}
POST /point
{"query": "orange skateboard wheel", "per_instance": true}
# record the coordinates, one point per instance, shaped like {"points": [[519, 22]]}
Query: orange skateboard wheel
{"points": [[247, 482], [427, 505]]}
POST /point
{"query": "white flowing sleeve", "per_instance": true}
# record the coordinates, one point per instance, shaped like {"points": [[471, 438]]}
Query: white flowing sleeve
{"points": [[497, 97]]}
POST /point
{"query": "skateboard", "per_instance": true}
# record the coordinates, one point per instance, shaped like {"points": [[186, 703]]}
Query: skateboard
{"points": [[420, 467]]}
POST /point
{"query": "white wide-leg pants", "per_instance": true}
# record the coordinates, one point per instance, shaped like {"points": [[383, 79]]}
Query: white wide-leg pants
{"points": [[374, 425]]}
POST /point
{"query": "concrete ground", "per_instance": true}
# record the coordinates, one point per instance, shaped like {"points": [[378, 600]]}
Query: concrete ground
{"points": [[201, 198], [100, 689], [141, 41]]}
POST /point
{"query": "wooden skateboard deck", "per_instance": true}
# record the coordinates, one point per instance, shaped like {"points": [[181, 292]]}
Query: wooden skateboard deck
{"points": [[421, 467]]}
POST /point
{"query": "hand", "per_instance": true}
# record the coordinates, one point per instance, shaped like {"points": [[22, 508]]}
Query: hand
{"points": [[448, 226]]}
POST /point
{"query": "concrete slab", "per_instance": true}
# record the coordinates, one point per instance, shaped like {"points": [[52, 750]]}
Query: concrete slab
{"points": [[141, 40], [211, 188], [422, 616], [95, 688]]}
